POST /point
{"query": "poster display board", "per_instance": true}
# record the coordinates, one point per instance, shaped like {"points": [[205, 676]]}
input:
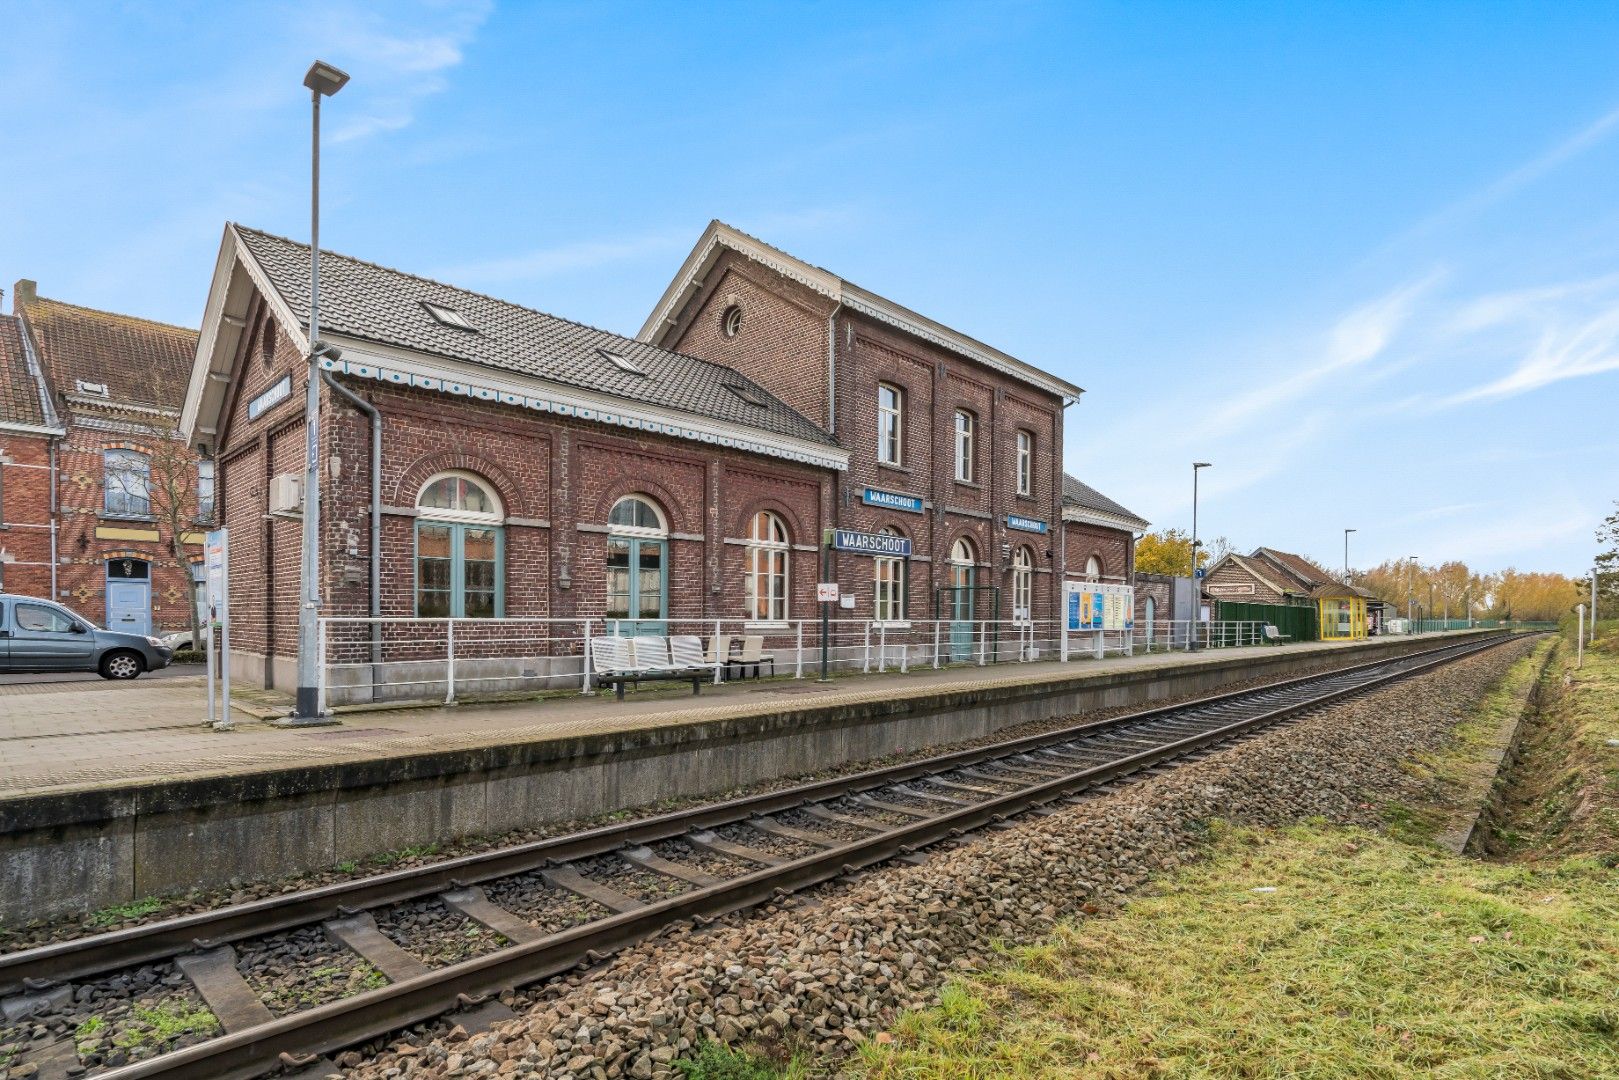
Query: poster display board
{"points": [[216, 585], [1098, 608]]}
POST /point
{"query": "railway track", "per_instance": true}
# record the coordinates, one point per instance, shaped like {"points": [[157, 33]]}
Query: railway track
{"points": [[626, 883]]}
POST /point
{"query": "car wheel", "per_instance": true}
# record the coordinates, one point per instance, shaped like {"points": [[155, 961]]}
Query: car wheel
{"points": [[121, 665]]}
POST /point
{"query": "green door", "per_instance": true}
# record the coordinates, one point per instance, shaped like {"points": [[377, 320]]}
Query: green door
{"points": [[962, 571], [637, 585]]}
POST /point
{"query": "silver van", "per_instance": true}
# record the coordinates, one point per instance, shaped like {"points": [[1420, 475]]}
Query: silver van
{"points": [[39, 635]]}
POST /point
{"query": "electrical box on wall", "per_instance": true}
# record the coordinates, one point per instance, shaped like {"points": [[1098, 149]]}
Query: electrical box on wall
{"points": [[287, 494]]}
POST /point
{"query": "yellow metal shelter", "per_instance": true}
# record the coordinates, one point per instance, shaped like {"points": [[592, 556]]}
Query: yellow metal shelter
{"points": [[1341, 612]]}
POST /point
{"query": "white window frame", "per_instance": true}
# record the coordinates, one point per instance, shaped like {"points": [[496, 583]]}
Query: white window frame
{"points": [[964, 446], [767, 569], [1025, 463], [1022, 585], [890, 582], [890, 425]]}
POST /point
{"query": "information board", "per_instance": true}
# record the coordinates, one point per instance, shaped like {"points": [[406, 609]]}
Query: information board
{"points": [[1095, 605]]}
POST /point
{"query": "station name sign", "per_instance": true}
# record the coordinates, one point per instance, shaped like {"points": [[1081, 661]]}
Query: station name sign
{"points": [[870, 543], [1025, 524], [272, 397], [892, 500]]}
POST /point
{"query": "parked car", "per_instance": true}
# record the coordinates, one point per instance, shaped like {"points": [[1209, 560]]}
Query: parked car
{"points": [[39, 635], [180, 639]]}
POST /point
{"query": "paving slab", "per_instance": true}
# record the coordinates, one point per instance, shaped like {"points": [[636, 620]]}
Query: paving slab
{"points": [[66, 736]]}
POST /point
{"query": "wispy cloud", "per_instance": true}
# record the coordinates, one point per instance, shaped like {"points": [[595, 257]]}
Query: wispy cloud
{"points": [[1565, 331], [399, 56]]}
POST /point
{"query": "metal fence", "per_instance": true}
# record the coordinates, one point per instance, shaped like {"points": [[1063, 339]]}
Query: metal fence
{"points": [[372, 660]]}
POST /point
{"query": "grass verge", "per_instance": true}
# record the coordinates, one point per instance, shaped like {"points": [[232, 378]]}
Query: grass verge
{"points": [[1309, 952]]}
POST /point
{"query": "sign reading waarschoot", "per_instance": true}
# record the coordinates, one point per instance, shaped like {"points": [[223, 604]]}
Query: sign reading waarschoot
{"points": [[870, 543], [1025, 524], [892, 500]]}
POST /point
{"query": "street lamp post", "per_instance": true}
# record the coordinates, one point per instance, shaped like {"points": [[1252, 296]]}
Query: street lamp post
{"points": [[323, 80], [1197, 590], [1411, 593], [1346, 553]]}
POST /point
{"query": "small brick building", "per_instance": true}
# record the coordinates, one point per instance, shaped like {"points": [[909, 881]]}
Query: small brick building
{"points": [[531, 467], [103, 504]]}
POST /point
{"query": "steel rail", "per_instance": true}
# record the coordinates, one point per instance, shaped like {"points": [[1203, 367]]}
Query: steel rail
{"points": [[299, 1037], [35, 968]]}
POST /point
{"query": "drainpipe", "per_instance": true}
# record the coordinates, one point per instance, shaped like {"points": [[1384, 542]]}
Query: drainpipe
{"points": [[376, 505], [55, 593], [832, 371]]}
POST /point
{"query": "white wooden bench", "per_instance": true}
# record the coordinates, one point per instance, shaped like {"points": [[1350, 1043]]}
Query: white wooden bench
{"points": [[619, 660], [1275, 636]]}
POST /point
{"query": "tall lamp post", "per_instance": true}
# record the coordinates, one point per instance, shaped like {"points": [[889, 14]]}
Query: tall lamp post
{"points": [[1411, 594], [323, 80], [1197, 599], [1346, 553]]}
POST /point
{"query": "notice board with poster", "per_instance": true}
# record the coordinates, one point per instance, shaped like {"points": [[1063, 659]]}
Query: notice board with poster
{"points": [[1095, 605]]}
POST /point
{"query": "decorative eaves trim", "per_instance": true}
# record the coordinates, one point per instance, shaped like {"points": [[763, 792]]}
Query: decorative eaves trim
{"points": [[830, 285], [32, 429], [1106, 521], [424, 374]]}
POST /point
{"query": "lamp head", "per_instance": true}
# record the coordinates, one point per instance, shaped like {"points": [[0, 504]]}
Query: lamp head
{"points": [[324, 79], [1201, 464]]}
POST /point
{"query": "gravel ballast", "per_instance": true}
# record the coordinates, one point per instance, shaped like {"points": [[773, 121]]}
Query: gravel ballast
{"points": [[829, 970]]}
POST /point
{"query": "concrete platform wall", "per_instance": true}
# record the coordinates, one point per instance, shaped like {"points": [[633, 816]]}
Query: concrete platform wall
{"points": [[88, 850]]}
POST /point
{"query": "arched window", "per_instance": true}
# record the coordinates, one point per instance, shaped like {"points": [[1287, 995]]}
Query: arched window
{"points": [[1023, 584], [889, 573], [964, 446], [1093, 569], [637, 556], [458, 548], [962, 593], [767, 568]]}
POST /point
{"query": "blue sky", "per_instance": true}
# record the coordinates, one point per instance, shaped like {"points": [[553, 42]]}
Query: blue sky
{"points": [[1362, 257]]}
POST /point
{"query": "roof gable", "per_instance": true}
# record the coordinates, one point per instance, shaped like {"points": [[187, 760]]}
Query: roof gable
{"points": [[1302, 570], [21, 400], [718, 236], [1080, 495]]}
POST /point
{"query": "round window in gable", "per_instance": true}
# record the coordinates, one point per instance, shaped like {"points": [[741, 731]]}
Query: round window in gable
{"points": [[731, 321]]}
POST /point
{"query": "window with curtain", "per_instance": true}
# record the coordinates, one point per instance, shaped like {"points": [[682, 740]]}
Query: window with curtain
{"points": [[964, 446], [767, 555], [127, 479], [1025, 463], [1023, 584], [1093, 569], [890, 423], [458, 549], [890, 576]]}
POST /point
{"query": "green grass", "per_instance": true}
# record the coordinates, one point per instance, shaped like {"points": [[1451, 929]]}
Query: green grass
{"points": [[1452, 775], [1370, 958], [135, 909], [713, 1061], [157, 1026]]}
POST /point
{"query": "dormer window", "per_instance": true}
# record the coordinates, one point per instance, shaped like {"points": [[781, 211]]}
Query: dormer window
{"points": [[93, 389], [620, 362], [448, 316]]}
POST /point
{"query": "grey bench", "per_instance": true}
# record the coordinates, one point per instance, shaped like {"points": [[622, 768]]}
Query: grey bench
{"points": [[1275, 636], [617, 661]]}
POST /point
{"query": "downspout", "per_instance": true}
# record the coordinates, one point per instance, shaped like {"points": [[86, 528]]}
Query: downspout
{"points": [[55, 594], [376, 505], [832, 372]]}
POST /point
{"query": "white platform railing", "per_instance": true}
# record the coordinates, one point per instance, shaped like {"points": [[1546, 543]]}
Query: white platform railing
{"points": [[403, 659]]}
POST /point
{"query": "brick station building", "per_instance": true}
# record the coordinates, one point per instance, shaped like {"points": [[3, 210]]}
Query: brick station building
{"points": [[91, 464], [532, 467]]}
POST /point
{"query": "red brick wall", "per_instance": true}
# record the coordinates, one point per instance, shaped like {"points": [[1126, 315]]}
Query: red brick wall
{"points": [[1114, 547], [1254, 591], [25, 518]]}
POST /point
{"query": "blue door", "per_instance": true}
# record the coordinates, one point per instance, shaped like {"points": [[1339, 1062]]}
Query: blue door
{"points": [[962, 557], [129, 596]]}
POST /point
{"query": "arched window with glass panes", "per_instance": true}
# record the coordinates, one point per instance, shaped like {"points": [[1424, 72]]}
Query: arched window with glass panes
{"points": [[767, 555], [459, 543], [637, 561]]}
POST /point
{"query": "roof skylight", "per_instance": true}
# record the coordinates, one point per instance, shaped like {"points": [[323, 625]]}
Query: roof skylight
{"points": [[621, 362], [749, 394], [448, 316]]}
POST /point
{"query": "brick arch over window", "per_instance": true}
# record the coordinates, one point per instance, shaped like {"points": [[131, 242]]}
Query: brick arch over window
{"points": [[742, 521], [622, 483], [980, 545], [139, 448], [1101, 565], [424, 468], [125, 553]]}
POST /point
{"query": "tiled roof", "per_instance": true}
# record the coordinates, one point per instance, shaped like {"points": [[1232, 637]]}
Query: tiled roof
{"points": [[141, 362], [364, 301], [19, 392], [1264, 573], [1301, 568], [1075, 492]]}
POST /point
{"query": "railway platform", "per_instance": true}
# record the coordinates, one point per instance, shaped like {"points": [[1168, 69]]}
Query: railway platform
{"points": [[113, 791]]}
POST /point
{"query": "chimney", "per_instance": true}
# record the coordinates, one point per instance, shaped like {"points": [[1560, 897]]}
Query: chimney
{"points": [[26, 292]]}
